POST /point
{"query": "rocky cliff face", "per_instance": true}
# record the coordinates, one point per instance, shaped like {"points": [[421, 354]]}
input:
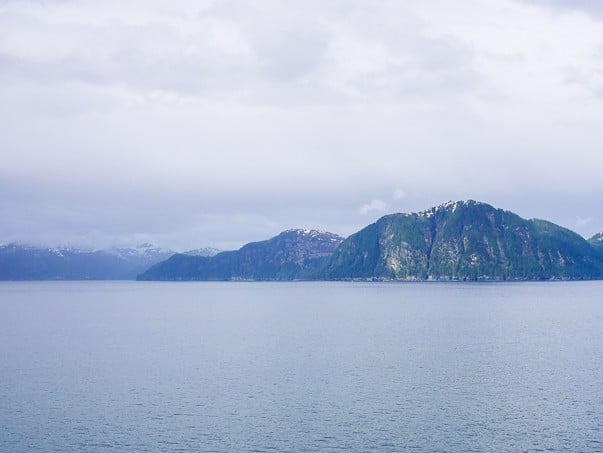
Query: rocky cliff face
{"points": [[291, 255], [463, 240]]}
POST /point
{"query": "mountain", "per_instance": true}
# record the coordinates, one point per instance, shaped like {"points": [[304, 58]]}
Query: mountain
{"points": [[464, 240], [597, 241], [293, 254], [204, 251], [27, 262]]}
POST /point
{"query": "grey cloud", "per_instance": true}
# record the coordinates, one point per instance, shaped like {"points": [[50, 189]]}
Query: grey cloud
{"points": [[287, 44], [591, 7], [219, 124], [135, 63], [285, 37], [589, 79]]}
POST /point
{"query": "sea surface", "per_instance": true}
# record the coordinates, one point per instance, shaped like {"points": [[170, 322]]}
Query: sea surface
{"points": [[143, 366]]}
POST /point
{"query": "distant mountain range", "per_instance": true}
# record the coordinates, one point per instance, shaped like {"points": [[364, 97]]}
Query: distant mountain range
{"points": [[293, 254], [463, 240], [27, 262]]}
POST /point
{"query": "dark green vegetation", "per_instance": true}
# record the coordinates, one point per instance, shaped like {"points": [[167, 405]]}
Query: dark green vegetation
{"points": [[464, 241], [293, 254]]}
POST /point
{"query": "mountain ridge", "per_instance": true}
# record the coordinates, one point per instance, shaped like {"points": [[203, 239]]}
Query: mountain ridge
{"points": [[456, 240], [463, 240], [292, 254]]}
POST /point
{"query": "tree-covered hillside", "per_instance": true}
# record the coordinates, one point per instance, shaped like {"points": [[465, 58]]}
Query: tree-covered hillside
{"points": [[464, 240]]}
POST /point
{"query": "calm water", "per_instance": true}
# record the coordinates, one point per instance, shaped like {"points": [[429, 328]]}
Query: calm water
{"points": [[301, 366]]}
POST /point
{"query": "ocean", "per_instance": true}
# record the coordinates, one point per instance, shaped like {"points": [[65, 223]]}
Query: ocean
{"points": [[308, 366]]}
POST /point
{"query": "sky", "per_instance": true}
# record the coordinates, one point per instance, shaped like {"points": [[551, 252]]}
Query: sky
{"points": [[215, 123]]}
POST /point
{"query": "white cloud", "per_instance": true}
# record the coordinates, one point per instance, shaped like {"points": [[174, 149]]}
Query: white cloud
{"points": [[399, 194], [583, 221], [373, 206]]}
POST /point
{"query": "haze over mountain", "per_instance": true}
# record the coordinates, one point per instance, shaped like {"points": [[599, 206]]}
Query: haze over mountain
{"points": [[27, 262]]}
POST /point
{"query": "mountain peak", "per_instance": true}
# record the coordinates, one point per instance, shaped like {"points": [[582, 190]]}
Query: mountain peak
{"points": [[597, 240], [203, 251], [290, 255], [313, 234], [146, 245], [451, 206]]}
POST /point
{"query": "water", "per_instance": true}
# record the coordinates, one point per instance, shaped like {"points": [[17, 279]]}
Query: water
{"points": [[133, 366]]}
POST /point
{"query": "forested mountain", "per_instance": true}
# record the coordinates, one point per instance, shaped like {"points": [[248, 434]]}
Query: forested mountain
{"points": [[464, 240]]}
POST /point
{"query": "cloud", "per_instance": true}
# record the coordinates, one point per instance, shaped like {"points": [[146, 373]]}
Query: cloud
{"points": [[373, 206], [267, 52], [583, 221], [176, 120], [399, 194], [592, 7]]}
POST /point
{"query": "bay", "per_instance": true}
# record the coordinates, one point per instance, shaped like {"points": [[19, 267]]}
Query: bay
{"points": [[114, 366]]}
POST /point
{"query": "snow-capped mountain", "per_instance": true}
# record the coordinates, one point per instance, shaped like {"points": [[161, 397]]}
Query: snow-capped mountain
{"points": [[29, 262], [204, 251], [597, 238], [145, 251], [291, 255], [597, 241]]}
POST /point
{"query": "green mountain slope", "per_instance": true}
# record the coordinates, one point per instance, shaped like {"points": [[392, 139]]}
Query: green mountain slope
{"points": [[291, 255], [463, 241]]}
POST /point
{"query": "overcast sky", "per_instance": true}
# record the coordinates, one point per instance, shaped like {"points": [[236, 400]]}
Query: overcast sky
{"points": [[214, 123]]}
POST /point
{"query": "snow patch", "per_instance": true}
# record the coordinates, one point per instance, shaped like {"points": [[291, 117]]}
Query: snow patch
{"points": [[315, 234], [449, 206]]}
